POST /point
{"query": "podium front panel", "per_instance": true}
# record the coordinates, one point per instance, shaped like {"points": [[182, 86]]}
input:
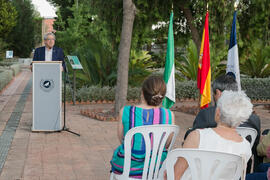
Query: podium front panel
{"points": [[47, 83]]}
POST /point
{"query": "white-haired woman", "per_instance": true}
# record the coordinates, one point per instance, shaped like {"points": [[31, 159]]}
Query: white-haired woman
{"points": [[233, 108]]}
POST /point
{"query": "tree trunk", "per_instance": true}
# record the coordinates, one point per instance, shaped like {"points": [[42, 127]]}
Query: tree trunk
{"points": [[129, 11], [194, 32]]}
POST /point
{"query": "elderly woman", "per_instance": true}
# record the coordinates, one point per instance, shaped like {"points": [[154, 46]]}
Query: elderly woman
{"points": [[233, 108], [148, 112]]}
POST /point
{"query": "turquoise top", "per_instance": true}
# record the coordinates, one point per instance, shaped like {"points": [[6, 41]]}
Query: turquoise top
{"points": [[133, 117]]}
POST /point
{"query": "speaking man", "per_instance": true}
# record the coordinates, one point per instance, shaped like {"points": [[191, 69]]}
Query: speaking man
{"points": [[49, 52]]}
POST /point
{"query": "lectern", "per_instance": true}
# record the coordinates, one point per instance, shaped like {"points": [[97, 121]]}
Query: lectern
{"points": [[47, 95]]}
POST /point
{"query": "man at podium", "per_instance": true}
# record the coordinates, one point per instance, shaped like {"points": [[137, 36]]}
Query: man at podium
{"points": [[49, 52], [47, 86]]}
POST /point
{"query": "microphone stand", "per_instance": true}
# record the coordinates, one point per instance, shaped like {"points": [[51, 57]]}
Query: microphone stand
{"points": [[65, 81]]}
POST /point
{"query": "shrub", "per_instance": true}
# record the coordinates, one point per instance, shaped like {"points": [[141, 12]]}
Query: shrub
{"points": [[256, 89], [5, 78], [186, 89], [16, 68], [134, 93], [68, 93], [95, 93]]}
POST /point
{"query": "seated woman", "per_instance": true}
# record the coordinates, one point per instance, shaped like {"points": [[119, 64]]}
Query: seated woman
{"points": [[263, 150], [233, 108], [148, 112]]}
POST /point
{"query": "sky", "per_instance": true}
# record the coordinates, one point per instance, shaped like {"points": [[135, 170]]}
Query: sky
{"points": [[44, 8]]}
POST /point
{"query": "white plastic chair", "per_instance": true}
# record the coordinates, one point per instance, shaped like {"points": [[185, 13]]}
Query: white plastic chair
{"points": [[206, 165], [246, 131], [160, 134]]}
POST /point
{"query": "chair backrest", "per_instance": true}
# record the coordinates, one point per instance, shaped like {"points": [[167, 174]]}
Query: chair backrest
{"points": [[159, 134], [246, 131], [203, 164]]}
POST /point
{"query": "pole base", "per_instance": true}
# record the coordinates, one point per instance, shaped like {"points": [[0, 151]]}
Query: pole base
{"points": [[67, 129]]}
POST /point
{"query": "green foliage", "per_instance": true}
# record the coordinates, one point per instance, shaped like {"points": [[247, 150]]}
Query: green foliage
{"points": [[22, 37], [3, 47], [256, 63], [99, 67], [5, 77], [101, 21], [8, 15], [64, 11], [254, 22], [94, 93], [37, 30], [186, 89], [256, 88], [140, 66], [187, 62], [81, 37], [134, 93], [16, 68], [218, 58]]}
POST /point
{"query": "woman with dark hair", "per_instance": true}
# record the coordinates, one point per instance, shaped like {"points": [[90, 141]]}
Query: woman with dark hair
{"points": [[148, 112]]}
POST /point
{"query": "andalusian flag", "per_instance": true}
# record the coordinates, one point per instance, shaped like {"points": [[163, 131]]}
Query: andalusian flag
{"points": [[204, 68], [168, 75], [233, 60]]}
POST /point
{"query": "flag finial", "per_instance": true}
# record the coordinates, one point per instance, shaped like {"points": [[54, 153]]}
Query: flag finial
{"points": [[172, 7], [207, 6], [236, 4]]}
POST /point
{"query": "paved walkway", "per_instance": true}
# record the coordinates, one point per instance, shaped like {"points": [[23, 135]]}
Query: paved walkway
{"points": [[62, 155]]}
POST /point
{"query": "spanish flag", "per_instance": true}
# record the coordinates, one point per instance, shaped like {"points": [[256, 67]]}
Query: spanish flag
{"points": [[204, 68]]}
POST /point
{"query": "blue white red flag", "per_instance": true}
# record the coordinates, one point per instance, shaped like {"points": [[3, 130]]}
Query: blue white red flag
{"points": [[233, 59]]}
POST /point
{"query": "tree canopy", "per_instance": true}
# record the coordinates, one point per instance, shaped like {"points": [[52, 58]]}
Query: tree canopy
{"points": [[22, 38], [8, 15], [104, 19]]}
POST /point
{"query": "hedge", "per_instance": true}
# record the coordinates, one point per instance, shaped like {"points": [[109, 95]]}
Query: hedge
{"points": [[256, 89], [8, 69], [16, 68], [5, 77]]}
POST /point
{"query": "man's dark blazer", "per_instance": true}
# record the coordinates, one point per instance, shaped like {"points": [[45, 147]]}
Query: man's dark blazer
{"points": [[57, 55], [206, 119]]}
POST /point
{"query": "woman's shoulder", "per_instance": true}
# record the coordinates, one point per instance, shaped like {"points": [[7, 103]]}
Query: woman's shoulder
{"points": [[205, 130]]}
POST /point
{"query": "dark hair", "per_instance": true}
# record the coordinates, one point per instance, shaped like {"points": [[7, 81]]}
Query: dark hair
{"points": [[154, 90], [225, 82]]}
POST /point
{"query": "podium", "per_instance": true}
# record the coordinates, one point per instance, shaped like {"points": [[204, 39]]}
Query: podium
{"points": [[47, 95]]}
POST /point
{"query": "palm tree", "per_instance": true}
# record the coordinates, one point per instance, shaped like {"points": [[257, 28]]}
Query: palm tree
{"points": [[256, 62], [187, 63]]}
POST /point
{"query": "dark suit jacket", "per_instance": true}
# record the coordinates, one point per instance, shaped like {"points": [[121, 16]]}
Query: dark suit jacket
{"points": [[206, 119], [57, 55]]}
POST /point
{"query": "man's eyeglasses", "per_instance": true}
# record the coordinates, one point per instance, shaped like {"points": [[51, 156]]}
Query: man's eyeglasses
{"points": [[50, 39]]}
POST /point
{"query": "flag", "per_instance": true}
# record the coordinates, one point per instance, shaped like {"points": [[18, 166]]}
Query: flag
{"points": [[233, 60], [168, 75], [204, 68]]}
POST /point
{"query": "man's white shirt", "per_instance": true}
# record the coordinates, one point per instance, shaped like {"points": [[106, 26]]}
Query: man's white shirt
{"points": [[48, 54]]}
